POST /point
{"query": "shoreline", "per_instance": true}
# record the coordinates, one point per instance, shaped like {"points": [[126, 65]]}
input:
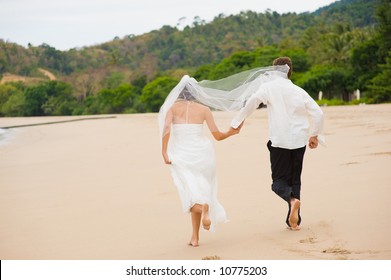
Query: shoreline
{"points": [[74, 119]]}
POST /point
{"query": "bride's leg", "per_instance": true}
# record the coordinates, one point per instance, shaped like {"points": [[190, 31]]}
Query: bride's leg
{"points": [[195, 212], [205, 217]]}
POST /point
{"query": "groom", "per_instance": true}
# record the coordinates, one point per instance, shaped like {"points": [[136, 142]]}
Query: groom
{"points": [[290, 109]]}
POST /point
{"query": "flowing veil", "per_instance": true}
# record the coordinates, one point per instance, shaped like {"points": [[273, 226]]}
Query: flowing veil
{"points": [[227, 94]]}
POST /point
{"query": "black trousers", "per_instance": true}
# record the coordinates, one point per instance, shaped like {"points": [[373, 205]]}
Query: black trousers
{"points": [[286, 166]]}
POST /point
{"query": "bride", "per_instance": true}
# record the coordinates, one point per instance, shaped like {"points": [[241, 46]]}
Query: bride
{"points": [[191, 156], [189, 152]]}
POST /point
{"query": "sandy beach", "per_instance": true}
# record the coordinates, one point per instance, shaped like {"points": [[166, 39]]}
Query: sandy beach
{"points": [[98, 189]]}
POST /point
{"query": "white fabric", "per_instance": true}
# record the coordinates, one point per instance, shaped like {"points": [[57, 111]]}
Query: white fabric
{"points": [[228, 94], [193, 169], [288, 109], [191, 153]]}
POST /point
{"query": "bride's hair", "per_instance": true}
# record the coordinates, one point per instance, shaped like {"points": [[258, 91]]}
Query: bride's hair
{"points": [[186, 95]]}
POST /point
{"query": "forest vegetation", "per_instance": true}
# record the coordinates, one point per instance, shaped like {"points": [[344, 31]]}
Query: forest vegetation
{"points": [[338, 49]]}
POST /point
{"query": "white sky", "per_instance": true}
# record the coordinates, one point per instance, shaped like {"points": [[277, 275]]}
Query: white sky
{"points": [[66, 24]]}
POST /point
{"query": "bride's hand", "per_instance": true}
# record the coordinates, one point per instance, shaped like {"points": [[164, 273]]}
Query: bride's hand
{"points": [[240, 126], [166, 159], [236, 130]]}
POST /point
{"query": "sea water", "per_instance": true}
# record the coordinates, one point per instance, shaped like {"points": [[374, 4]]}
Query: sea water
{"points": [[5, 135], [2, 135]]}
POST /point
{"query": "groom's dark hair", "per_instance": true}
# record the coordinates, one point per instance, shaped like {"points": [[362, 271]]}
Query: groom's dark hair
{"points": [[282, 61]]}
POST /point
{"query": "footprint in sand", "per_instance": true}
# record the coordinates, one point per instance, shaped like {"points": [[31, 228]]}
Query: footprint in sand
{"points": [[311, 238], [211, 258], [350, 163], [337, 250]]}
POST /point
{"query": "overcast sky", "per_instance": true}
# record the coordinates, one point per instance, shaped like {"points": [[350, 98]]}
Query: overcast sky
{"points": [[66, 24]]}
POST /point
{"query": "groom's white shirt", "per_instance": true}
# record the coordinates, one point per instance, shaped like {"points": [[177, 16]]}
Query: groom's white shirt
{"points": [[290, 111]]}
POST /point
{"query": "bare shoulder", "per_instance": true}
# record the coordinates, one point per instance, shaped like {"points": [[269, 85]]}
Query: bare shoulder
{"points": [[176, 105], [203, 107], [207, 110], [200, 107]]}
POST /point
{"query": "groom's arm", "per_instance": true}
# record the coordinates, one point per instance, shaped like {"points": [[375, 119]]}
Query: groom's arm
{"points": [[317, 119], [251, 105]]}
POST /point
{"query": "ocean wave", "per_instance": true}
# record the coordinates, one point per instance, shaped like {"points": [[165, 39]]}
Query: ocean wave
{"points": [[5, 135]]}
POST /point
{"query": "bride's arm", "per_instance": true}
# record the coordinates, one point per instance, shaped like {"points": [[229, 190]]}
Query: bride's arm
{"points": [[223, 135], [164, 148], [217, 134], [166, 137]]}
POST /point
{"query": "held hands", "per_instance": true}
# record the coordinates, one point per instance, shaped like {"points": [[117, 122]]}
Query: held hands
{"points": [[313, 142], [233, 131], [224, 135]]}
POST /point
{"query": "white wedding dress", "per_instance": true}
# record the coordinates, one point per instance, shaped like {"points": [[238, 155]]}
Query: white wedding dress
{"points": [[193, 169]]}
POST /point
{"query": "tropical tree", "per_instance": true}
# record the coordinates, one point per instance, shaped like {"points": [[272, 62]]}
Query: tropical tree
{"points": [[332, 81], [11, 101], [155, 92], [49, 98], [378, 81], [380, 87], [237, 62], [112, 101], [35, 97], [364, 63], [15, 105], [383, 13]]}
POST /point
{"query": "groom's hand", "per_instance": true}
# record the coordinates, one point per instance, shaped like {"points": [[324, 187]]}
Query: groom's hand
{"points": [[240, 126], [313, 142], [237, 130], [233, 131]]}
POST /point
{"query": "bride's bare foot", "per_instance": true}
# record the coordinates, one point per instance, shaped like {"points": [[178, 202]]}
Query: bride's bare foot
{"points": [[193, 242], [205, 217], [294, 215]]}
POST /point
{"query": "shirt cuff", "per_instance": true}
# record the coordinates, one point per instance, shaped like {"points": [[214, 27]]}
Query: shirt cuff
{"points": [[322, 139], [235, 123]]}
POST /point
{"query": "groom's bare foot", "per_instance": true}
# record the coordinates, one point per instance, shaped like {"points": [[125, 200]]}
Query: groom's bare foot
{"points": [[294, 215], [205, 217], [297, 228]]}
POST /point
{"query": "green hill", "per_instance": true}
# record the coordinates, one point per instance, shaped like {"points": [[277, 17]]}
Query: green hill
{"points": [[337, 49], [199, 44]]}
